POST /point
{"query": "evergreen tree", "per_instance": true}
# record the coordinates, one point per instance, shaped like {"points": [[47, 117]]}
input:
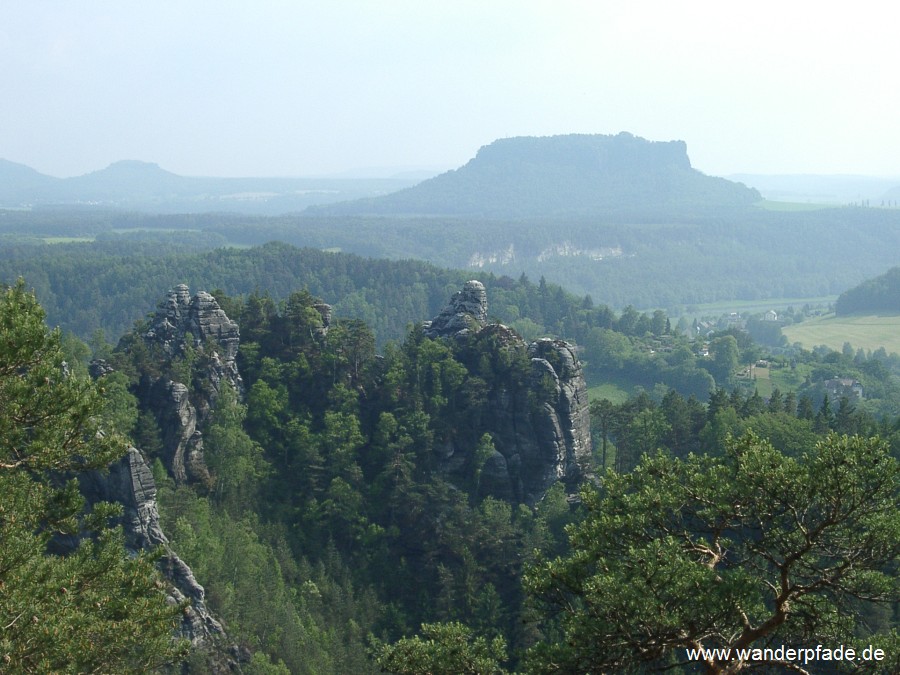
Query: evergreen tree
{"points": [[94, 609], [443, 649], [733, 552]]}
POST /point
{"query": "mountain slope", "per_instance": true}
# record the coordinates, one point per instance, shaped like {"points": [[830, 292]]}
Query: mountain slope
{"points": [[19, 182], [130, 179], [563, 175], [879, 294], [143, 186]]}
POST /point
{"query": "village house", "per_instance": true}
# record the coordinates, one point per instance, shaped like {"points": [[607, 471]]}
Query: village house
{"points": [[838, 387]]}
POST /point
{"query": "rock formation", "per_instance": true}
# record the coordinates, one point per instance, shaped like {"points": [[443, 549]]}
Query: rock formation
{"points": [[183, 328], [325, 312], [467, 310], [182, 320], [540, 426], [185, 325], [179, 424], [130, 483], [564, 420]]}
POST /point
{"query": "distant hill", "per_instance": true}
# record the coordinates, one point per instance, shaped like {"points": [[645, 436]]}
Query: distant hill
{"points": [[18, 181], [143, 186], [573, 175], [880, 294], [129, 180]]}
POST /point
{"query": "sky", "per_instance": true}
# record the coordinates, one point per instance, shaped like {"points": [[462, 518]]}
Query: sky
{"points": [[298, 88]]}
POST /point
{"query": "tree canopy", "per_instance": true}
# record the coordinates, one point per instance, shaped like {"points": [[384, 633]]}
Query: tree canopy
{"points": [[91, 608], [748, 550]]}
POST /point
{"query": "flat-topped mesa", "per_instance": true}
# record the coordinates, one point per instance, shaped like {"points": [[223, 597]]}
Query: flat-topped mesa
{"points": [[467, 310]]}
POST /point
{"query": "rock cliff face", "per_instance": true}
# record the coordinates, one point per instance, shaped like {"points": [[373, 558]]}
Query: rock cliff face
{"points": [[130, 483], [467, 310], [185, 325], [181, 321], [191, 329], [540, 426], [325, 311]]}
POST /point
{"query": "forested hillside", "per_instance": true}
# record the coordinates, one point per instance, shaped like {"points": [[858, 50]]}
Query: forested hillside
{"points": [[668, 263], [90, 287], [338, 499], [624, 220], [351, 494], [110, 285], [531, 177], [878, 295]]}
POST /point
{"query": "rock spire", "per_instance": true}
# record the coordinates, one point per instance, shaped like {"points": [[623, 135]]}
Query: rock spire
{"points": [[466, 311]]}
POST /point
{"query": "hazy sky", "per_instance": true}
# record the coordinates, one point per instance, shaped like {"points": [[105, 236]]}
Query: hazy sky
{"points": [[294, 88]]}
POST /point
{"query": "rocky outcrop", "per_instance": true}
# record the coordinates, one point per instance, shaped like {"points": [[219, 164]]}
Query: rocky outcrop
{"points": [[466, 311], [538, 420], [97, 368], [193, 330], [198, 322], [130, 483], [179, 423], [563, 421], [190, 327], [541, 428], [325, 311]]}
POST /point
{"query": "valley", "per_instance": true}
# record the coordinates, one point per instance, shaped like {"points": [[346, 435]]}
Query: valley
{"points": [[417, 428]]}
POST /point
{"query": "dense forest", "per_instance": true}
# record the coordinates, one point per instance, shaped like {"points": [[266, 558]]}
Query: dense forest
{"points": [[98, 290], [244, 455], [334, 519], [878, 295], [668, 262]]}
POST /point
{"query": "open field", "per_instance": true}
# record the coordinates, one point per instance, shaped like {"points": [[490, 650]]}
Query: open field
{"points": [[757, 306], [610, 390], [761, 381], [765, 380], [866, 331]]}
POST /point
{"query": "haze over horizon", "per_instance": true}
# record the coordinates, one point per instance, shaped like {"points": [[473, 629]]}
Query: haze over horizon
{"points": [[306, 89]]}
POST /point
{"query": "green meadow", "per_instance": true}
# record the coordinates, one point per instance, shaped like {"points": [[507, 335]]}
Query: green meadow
{"points": [[867, 331]]}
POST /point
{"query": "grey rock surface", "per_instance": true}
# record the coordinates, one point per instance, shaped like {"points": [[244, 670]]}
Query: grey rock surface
{"points": [[178, 421], [466, 311], [542, 429], [130, 483], [198, 328], [198, 322], [540, 426], [325, 311], [181, 324]]}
